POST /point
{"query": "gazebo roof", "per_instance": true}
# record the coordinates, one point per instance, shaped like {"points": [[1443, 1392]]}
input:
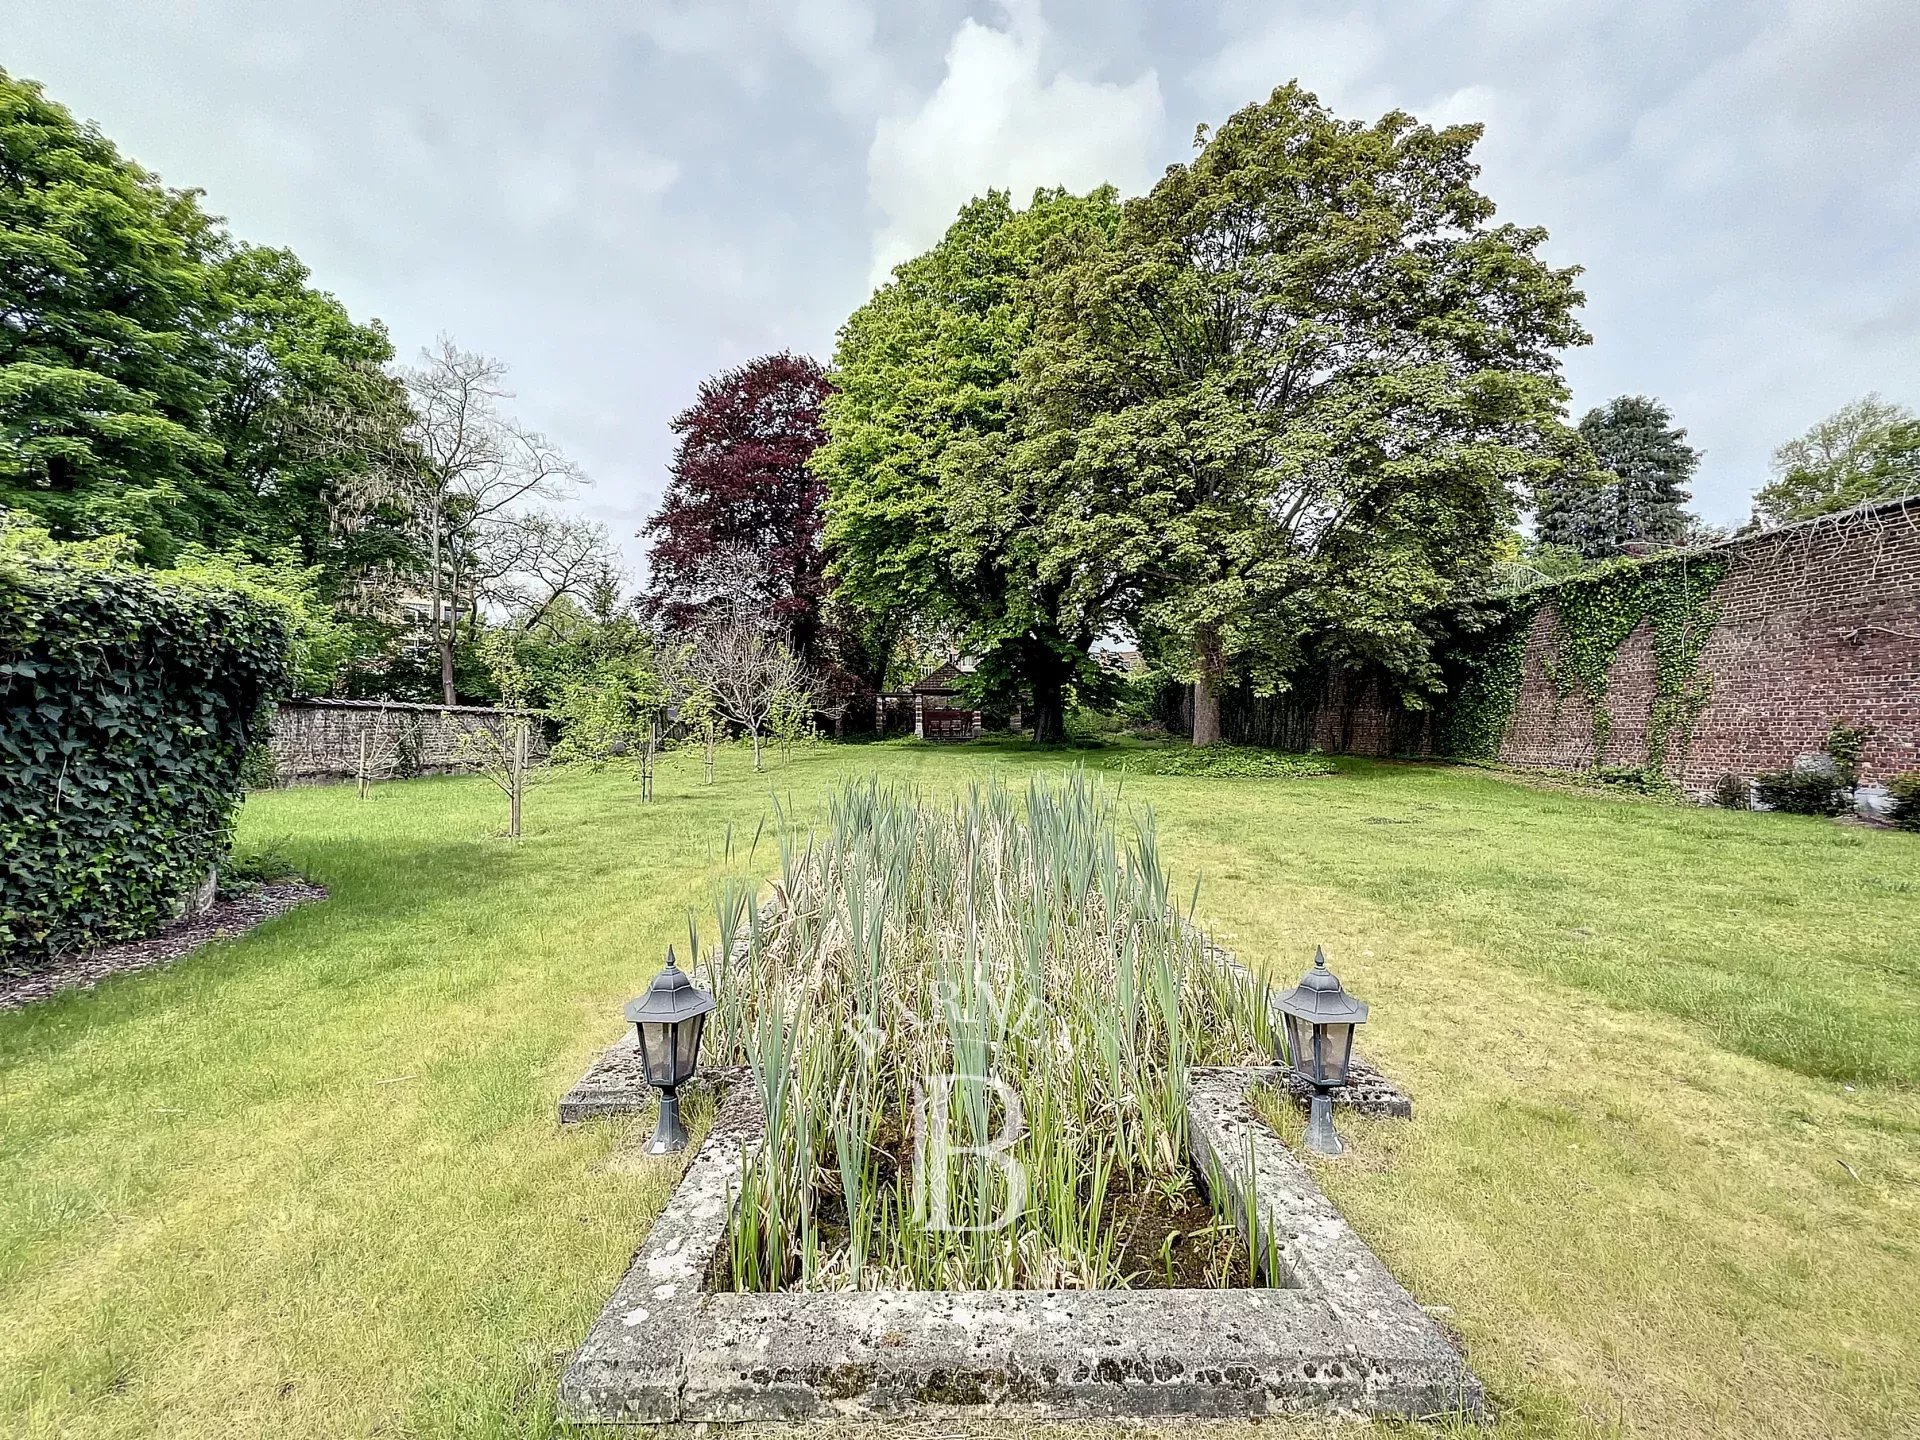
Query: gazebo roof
{"points": [[944, 681]]}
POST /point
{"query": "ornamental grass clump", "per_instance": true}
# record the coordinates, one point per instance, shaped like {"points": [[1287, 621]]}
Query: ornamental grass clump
{"points": [[971, 1026]]}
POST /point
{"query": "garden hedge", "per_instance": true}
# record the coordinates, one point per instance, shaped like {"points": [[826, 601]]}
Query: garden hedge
{"points": [[127, 703]]}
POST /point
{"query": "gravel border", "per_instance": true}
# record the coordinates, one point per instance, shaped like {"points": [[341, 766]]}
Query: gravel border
{"points": [[223, 921]]}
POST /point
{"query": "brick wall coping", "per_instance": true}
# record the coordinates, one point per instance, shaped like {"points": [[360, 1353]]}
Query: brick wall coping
{"points": [[317, 703], [1907, 505]]}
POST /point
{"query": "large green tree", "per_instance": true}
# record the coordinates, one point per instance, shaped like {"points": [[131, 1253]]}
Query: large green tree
{"points": [[104, 310], [153, 369], [927, 514], [1641, 496], [1865, 451], [1296, 396], [286, 360]]}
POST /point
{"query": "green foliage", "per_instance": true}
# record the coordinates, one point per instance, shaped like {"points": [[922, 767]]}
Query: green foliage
{"points": [[790, 722], [926, 515], [250, 867], [615, 708], [1905, 790], [1846, 746], [1236, 762], [1640, 497], [1296, 396], [130, 701], [1865, 451], [324, 641], [1488, 669], [1594, 615], [1678, 601], [1732, 792], [917, 943], [151, 367], [1801, 792]]}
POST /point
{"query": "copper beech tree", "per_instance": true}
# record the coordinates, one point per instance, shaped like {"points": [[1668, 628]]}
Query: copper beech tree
{"points": [[739, 485]]}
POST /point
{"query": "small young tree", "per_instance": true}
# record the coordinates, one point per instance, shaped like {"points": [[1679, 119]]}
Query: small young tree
{"points": [[614, 710], [744, 664], [704, 723], [791, 722], [379, 746], [502, 746]]}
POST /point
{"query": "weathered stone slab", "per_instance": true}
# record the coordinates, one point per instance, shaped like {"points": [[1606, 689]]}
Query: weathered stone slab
{"points": [[1367, 1091], [1336, 1336], [615, 1085], [1410, 1368], [632, 1366]]}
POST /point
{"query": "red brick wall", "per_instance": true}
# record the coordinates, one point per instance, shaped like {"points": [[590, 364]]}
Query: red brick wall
{"points": [[1818, 622]]}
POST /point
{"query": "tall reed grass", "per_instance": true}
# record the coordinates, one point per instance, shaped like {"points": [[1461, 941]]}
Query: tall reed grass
{"points": [[939, 996]]}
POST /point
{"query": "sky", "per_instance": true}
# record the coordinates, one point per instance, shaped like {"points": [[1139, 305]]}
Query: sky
{"points": [[619, 197]]}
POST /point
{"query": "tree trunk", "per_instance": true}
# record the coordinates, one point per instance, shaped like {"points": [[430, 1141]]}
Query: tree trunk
{"points": [[518, 774], [442, 637], [1049, 674], [756, 751], [363, 762], [1207, 684]]}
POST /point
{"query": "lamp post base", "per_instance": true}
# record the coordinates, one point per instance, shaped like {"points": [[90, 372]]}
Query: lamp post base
{"points": [[1321, 1138], [669, 1134]]}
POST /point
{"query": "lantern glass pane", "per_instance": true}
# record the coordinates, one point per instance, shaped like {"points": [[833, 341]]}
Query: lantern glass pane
{"points": [[1336, 1049], [687, 1058], [656, 1051], [1300, 1045]]}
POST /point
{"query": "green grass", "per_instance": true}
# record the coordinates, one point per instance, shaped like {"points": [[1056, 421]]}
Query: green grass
{"points": [[1664, 1174]]}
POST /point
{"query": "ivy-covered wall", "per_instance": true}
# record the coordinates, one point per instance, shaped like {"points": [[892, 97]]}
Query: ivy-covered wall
{"points": [[127, 703], [1731, 660]]}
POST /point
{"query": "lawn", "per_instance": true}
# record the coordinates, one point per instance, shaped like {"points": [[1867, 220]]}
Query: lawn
{"points": [[1665, 1178]]}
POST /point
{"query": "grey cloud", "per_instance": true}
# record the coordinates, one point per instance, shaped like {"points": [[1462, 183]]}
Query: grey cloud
{"points": [[620, 196]]}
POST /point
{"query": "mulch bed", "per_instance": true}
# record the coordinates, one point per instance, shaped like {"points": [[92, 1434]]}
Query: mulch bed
{"points": [[226, 919]]}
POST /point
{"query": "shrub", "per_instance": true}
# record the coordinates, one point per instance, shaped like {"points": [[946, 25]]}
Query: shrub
{"points": [[1241, 762], [247, 870], [1802, 792], [1732, 792], [130, 700], [1905, 790], [1846, 746], [1640, 779]]}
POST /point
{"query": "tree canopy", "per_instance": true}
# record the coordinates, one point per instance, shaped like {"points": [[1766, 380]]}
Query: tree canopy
{"points": [[1288, 401], [739, 484], [1641, 496], [928, 516], [149, 363], [1865, 451]]}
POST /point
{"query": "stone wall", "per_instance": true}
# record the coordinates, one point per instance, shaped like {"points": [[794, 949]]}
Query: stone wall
{"points": [[1817, 622], [315, 741]]}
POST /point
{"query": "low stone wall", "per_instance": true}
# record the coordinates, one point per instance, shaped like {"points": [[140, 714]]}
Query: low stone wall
{"points": [[317, 741], [1333, 1334]]}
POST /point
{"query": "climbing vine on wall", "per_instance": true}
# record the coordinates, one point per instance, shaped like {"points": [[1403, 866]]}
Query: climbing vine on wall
{"points": [[1681, 608], [1487, 675], [1593, 616]]}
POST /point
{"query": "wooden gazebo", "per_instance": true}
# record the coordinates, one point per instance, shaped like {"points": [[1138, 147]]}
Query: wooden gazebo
{"points": [[936, 708]]}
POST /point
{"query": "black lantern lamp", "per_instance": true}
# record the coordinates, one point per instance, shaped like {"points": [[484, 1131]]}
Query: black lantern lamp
{"points": [[667, 1022], [1320, 1017]]}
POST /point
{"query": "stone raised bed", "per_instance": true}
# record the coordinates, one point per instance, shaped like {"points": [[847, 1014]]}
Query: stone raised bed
{"points": [[1336, 1336]]}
